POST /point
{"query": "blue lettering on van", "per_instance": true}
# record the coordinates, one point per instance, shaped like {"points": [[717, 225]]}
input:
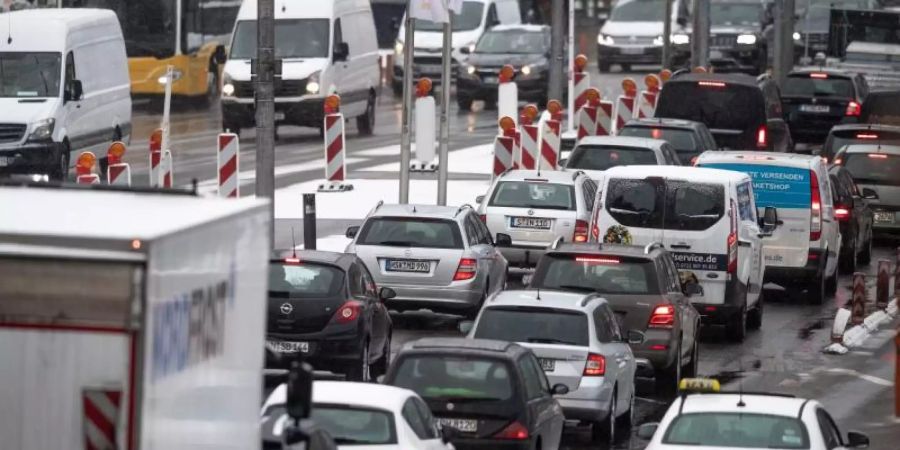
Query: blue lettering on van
{"points": [[776, 186]]}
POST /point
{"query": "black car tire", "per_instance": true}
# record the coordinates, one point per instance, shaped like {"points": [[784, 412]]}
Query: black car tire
{"points": [[755, 318], [366, 122], [690, 369], [848, 260], [737, 326], [667, 379], [464, 103], [603, 67], [831, 283], [625, 421], [816, 289], [380, 367], [61, 170], [361, 370], [605, 430], [865, 257], [625, 67]]}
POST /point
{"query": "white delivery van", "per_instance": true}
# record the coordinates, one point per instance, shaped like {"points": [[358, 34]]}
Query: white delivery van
{"points": [[326, 47], [803, 253], [707, 219], [64, 88], [129, 320], [468, 26]]}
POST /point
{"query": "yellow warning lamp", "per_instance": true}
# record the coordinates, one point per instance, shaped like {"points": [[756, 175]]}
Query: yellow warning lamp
{"points": [[665, 75], [507, 73], [332, 104], [423, 87], [592, 95], [507, 123], [156, 140], [85, 163], [115, 152], [554, 107], [629, 87], [529, 113], [580, 63], [652, 82]]}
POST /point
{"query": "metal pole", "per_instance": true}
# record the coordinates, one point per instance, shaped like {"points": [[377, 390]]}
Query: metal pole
{"points": [[444, 139], [700, 34], [784, 40], [554, 90], [405, 125], [309, 221], [265, 108], [570, 70], [667, 36]]}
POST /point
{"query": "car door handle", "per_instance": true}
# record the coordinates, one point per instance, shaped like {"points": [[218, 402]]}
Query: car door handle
{"points": [[681, 246]]}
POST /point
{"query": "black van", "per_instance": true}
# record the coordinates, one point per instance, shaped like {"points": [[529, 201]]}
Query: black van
{"points": [[742, 112]]}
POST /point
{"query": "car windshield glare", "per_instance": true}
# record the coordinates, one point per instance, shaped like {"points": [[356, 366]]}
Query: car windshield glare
{"points": [[737, 430], [514, 41], [637, 11], [349, 425], [534, 195], [410, 232], [294, 38], [533, 325], [468, 19], [874, 168], [602, 157], [304, 280], [460, 379], [588, 273], [689, 206], [28, 74]]}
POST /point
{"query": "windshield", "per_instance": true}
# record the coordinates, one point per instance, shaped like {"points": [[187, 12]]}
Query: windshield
{"points": [[535, 195], [839, 139], [718, 105], [684, 141], [602, 157], [29, 74], [468, 19], [403, 232], [294, 38], [873, 168], [805, 86], [690, 206], [349, 425], [460, 379], [532, 42], [737, 430], [733, 14], [149, 26], [304, 280], [638, 11], [604, 275], [534, 325]]}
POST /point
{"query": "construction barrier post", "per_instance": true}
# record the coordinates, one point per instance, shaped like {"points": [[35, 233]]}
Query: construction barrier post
{"points": [[517, 148], [118, 173], [840, 325], [84, 169], [897, 372], [155, 157], [587, 114], [530, 144], [897, 278], [625, 104], [858, 301], [167, 167], [582, 81], [504, 147], [550, 137], [647, 101], [883, 284], [335, 163], [309, 221], [100, 417], [425, 128], [507, 94], [228, 160], [605, 118]]}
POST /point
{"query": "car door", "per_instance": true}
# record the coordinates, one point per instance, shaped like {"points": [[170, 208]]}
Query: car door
{"points": [[381, 319], [621, 352], [749, 244], [544, 411], [497, 264], [861, 212], [75, 125]]}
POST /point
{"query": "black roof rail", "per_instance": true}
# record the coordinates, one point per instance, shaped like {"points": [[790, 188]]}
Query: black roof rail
{"points": [[576, 174], [652, 246], [377, 205], [461, 208]]}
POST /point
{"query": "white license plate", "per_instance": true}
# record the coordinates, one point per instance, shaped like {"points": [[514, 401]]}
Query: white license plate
{"points": [[716, 54], [430, 69], [549, 365], [531, 223], [815, 108], [491, 80], [401, 265], [632, 50], [884, 217], [5, 161], [464, 425], [279, 116], [287, 346]]}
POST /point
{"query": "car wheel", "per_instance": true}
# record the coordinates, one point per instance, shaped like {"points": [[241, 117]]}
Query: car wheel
{"points": [[366, 122], [848, 261], [380, 367], [464, 103], [472, 313], [755, 318], [865, 257], [831, 282], [361, 370], [737, 326], [626, 420], [61, 170], [603, 67], [690, 370], [605, 431], [667, 379], [816, 289]]}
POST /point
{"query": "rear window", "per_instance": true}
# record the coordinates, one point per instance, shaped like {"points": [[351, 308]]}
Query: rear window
{"points": [[602, 274], [682, 140], [689, 206], [737, 430], [873, 168], [805, 86], [718, 105], [446, 377], [533, 325], [534, 195], [411, 232], [304, 280], [838, 139], [776, 186], [595, 157]]}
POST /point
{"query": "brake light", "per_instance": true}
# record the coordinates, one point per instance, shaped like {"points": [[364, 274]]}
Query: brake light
{"points": [[711, 83], [853, 109], [838, 161], [581, 231], [596, 260], [656, 133], [663, 316], [292, 260], [842, 214], [348, 312], [731, 241], [818, 75], [878, 155], [762, 138], [868, 136], [466, 269], [694, 160], [514, 430], [815, 217], [595, 365]]}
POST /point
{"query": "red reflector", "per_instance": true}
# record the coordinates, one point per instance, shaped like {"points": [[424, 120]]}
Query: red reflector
{"points": [[866, 136], [813, 256], [656, 133], [841, 213], [853, 109], [466, 270], [595, 365], [710, 308], [659, 347], [514, 430], [596, 260], [711, 83], [878, 155], [292, 260], [818, 75]]}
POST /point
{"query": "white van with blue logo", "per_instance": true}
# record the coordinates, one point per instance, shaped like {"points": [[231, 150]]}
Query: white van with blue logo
{"points": [[803, 251]]}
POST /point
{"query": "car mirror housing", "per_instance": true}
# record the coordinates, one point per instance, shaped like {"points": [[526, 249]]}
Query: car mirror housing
{"points": [[465, 326], [856, 439], [352, 231], [693, 289], [635, 337], [479, 199], [560, 389], [770, 220], [503, 240], [386, 293], [869, 194]]}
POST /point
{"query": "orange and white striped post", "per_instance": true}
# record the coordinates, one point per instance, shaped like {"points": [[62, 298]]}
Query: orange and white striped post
{"points": [[84, 169], [118, 173], [587, 115], [550, 137], [530, 149], [507, 93], [228, 160], [503, 147], [166, 169], [647, 101], [155, 157], [335, 161], [582, 81], [625, 103], [100, 408], [605, 118]]}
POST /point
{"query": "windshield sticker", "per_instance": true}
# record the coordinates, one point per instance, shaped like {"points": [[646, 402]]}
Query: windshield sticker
{"points": [[700, 261], [779, 187]]}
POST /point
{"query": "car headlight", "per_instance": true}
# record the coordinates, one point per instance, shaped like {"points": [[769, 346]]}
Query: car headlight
{"points": [[470, 69], [796, 36], [312, 84], [42, 130], [227, 87], [746, 39], [605, 39], [176, 75], [398, 47], [680, 39], [471, 46], [658, 40]]}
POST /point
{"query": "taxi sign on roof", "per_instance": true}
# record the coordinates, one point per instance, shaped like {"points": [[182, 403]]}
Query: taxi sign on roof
{"points": [[699, 385]]}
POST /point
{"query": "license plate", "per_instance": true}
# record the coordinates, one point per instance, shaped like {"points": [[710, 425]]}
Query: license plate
{"points": [[716, 54], [531, 222], [430, 69], [815, 108], [279, 116], [884, 217], [632, 50], [287, 346], [491, 80], [464, 425], [395, 265], [5, 160], [549, 365]]}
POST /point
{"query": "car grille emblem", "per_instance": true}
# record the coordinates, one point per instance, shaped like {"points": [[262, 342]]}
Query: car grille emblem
{"points": [[450, 406], [407, 253], [530, 212], [287, 308]]}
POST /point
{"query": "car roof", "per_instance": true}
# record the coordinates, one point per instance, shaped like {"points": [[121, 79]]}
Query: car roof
{"points": [[664, 122], [343, 260], [871, 148], [865, 127], [414, 210], [686, 173], [546, 298], [521, 27], [622, 141], [481, 347], [370, 395], [754, 404], [760, 158], [552, 176], [643, 251], [728, 78]]}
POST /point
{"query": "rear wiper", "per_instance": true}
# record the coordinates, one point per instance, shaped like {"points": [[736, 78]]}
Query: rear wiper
{"points": [[698, 216], [573, 287], [628, 211], [549, 341], [396, 243]]}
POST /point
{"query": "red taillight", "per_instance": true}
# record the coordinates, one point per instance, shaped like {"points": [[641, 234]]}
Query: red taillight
{"points": [[483, 217], [292, 260], [659, 347], [348, 312], [595, 365], [878, 156], [762, 138], [731, 242], [711, 84], [694, 160], [841, 213], [867, 136], [596, 260], [853, 109], [581, 231], [663, 316], [656, 133], [466, 270], [815, 216], [514, 430]]}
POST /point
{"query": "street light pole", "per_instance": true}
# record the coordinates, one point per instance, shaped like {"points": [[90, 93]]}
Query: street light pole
{"points": [[667, 36], [700, 33], [406, 118], [265, 108], [444, 145], [554, 91]]}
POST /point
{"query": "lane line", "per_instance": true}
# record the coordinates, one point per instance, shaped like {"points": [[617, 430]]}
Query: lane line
{"points": [[870, 378]]}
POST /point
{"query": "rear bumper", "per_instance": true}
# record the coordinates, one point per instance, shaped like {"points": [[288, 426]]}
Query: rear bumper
{"points": [[658, 359], [328, 350], [456, 298], [491, 444], [590, 402], [38, 157], [789, 276], [722, 313]]}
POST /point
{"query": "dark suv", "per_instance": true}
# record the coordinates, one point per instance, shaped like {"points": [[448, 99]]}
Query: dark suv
{"points": [[815, 100], [646, 292], [742, 112]]}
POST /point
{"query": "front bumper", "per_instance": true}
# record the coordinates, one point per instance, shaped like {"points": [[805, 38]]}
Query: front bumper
{"points": [[302, 111], [428, 68], [30, 157], [742, 59], [473, 87], [590, 402], [330, 349], [659, 359], [615, 54], [459, 297]]}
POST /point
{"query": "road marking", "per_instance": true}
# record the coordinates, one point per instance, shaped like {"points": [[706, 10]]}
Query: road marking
{"points": [[870, 378]]}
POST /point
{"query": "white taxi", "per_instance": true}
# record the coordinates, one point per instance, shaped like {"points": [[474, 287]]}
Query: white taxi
{"points": [[704, 417]]}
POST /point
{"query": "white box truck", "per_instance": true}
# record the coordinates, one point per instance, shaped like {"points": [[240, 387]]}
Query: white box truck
{"points": [[130, 320]]}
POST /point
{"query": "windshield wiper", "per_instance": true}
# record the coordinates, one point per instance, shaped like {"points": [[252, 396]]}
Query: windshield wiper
{"points": [[629, 211], [536, 340], [573, 287], [395, 243]]}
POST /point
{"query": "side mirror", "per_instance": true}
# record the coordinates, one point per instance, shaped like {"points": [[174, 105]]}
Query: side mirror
{"points": [[219, 57], [856, 439], [75, 91], [681, 21], [646, 431], [386, 293], [341, 51], [465, 326], [503, 240], [299, 390], [635, 337], [479, 199], [693, 289], [770, 219], [465, 50], [559, 389], [869, 194], [448, 434], [352, 231], [562, 162]]}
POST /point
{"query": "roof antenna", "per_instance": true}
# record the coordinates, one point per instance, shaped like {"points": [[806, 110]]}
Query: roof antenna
{"points": [[293, 242], [740, 403], [9, 29], [538, 295]]}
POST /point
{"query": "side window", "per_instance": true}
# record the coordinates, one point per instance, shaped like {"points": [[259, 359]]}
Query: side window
{"points": [[412, 417], [471, 231], [830, 433], [427, 418], [533, 388], [590, 190], [615, 332], [483, 231], [604, 333], [356, 282], [745, 202], [70, 75], [368, 282], [674, 278], [492, 18]]}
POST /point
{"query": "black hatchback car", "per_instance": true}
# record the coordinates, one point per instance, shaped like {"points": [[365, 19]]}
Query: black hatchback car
{"points": [[687, 137], [742, 112], [858, 133], [494, 394], [324, 307], [814, 100], [855, 218]]}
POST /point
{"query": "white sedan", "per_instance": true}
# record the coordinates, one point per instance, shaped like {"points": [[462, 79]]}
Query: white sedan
{"points": [[362, 416], [709, 419]]}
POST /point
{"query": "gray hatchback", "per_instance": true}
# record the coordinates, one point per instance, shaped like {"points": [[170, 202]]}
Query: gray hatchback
{"points": [[874, 168]]}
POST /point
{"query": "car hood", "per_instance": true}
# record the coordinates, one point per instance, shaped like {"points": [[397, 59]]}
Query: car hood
{"points": [[651, 29], [499, 59], [291, 69], [26, 110]]}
